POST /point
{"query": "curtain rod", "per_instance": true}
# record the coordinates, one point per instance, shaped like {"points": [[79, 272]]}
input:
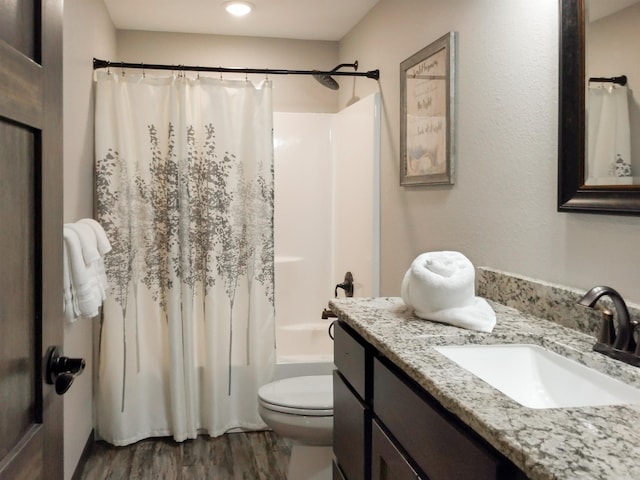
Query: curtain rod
{"points": [[97, 63], [621, 80]]}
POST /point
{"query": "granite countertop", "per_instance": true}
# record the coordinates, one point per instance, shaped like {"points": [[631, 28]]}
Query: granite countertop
{"points": [[557, 443]]}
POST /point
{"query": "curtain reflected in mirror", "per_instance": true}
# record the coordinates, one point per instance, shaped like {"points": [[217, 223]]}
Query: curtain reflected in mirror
{"points": [[612, 103], [599, 120]]}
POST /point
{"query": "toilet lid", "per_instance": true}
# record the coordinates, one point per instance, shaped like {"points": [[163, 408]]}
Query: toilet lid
{"points": [[311, 393]]}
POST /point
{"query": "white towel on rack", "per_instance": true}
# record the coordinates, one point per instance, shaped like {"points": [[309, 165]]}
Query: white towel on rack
{"points": [[88, 241], [70, 313], [440, 286], [93, 240], [85, 292], [104, 246]]}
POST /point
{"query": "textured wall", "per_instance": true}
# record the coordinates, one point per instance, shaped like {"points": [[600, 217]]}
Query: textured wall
{"points": [[88, 32], [501, 212]]}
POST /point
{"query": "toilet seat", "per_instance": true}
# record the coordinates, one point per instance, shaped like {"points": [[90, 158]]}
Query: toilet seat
{"points": [[305, 396]]}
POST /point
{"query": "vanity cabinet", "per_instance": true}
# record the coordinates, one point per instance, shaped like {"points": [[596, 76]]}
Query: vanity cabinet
{"points": [[351, 405], [387, 427]]}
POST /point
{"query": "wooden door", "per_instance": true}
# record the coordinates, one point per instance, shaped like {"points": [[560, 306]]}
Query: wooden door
{"points": [[30, 236]]}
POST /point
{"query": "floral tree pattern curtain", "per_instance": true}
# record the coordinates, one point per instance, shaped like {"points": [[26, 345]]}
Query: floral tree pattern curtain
{"points": [[184, 190], [609, 136]]}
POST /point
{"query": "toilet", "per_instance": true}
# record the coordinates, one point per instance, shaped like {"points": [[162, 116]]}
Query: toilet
{"points": [[301, 409]]}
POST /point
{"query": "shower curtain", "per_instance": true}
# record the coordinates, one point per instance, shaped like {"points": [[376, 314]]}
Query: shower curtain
{"points": [[609, 140], [184, 190]]}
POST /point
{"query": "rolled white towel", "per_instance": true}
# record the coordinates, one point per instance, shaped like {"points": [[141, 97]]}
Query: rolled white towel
{"points": [[440, 286]]}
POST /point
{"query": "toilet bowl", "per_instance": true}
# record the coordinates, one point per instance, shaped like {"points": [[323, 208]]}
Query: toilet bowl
{"points": [[301, 409]]}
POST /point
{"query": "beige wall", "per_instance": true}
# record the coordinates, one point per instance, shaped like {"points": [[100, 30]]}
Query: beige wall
{"points": [[291, 93], [88, 32], [501, 212]]}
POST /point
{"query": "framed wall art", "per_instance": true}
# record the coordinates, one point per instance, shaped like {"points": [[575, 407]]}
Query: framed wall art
{"points": [[427, 114]]}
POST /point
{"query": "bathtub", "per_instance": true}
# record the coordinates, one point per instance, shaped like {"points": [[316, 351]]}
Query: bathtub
{"points": [[304, 349]]}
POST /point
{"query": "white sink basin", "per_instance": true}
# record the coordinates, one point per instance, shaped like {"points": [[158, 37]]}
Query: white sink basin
{"points": [[538, 378]]}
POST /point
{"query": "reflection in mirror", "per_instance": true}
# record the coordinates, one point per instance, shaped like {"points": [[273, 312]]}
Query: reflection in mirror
{"points": [[612, 37], [603, 192]]}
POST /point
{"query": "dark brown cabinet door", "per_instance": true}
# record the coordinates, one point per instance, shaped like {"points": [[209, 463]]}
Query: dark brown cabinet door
{"points": [[351, 420], [387, 463], [30, 236]]}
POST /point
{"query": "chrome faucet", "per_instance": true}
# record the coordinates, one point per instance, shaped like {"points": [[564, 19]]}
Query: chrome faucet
{"points": [[618, 344]]}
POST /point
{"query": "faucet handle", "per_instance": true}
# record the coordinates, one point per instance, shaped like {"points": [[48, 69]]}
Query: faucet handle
{"points": [[607, 333], [635, 336]]}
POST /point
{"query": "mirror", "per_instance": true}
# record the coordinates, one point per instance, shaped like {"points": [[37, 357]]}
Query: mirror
{"points": [[574, 193]]}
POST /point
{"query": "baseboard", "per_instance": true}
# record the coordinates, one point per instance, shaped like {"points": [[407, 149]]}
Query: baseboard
{"points": [[86, 451]]}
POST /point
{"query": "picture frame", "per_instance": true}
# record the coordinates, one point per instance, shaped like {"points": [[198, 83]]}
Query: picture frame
{"points": [[427, 114]]}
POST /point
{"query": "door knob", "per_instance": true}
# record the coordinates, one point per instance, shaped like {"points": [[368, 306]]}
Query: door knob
{"points": [[62, 371]]}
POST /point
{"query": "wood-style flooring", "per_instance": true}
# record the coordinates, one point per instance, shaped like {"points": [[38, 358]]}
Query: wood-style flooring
{"points": [[233, 456]]}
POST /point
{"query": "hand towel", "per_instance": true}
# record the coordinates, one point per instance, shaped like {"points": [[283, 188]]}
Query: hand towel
{"points": [[93, 239], [440, 286], [70, 313], [88, 241], [84, 289], [104, 246]]}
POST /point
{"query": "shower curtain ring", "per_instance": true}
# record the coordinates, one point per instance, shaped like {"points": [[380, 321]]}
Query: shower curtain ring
{"points": [[122, 68], [144, 75]]}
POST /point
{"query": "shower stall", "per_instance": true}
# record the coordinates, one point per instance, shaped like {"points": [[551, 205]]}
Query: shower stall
{"points": [[327, 209]]}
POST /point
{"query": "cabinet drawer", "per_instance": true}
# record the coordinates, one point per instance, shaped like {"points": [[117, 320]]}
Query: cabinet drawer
{"points": [[387, 463], [351, 427], [349, 357], [437, 442]]}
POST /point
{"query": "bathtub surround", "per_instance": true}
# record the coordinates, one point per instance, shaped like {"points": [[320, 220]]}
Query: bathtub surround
{"points": [[326, 223], [184, 187]]}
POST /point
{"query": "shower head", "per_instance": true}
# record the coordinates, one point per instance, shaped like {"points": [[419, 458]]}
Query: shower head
{"points": [[328, 81]]}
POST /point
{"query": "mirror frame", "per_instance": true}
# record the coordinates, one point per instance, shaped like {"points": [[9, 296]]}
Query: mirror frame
{"points": [[573, 195]]}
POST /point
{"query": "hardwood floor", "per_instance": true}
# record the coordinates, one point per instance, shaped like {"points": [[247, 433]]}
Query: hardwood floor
{"points": [[233, 456]]}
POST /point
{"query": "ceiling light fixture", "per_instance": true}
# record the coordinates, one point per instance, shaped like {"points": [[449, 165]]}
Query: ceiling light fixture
{"points": [[238, 9]]}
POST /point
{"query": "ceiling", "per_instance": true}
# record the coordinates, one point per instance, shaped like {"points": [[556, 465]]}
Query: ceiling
{"points": [[296, 19]]}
